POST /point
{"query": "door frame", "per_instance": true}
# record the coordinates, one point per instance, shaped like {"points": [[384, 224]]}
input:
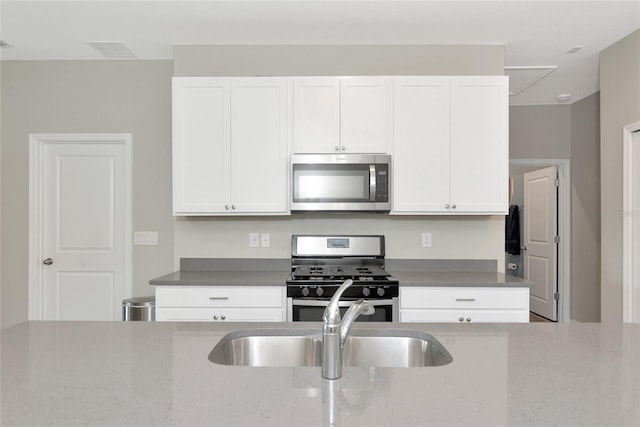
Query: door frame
{"points": [[564, 229], [37, 143], [630, 284]]}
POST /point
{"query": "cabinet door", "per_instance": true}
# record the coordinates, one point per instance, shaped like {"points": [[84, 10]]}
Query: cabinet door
{"points": [[365, 114], [220, 315], [420, 145], [220, 296], [465, 298], [200, 145], [479, 144], [259, 145], [468, 316], [316, 115]]}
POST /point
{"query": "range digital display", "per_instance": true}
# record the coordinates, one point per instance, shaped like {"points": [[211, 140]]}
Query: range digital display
{"points": [[338, 243]]}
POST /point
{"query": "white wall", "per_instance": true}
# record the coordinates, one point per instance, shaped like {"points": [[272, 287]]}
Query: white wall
{"points": [[570, 132], [619, 106], [453, 237], [90, 97], [585, 209]]}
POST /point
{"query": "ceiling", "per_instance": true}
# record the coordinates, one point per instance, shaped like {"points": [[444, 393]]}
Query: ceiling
{"points": [[534, 33]]}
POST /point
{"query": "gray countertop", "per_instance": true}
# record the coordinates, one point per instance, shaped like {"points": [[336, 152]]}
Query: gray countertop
{"points": [[158, 374], [221, 278], [256, 272], [458, 279]]}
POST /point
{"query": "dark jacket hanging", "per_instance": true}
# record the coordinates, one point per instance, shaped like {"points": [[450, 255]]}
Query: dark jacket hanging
{"points": [[512, 231]]}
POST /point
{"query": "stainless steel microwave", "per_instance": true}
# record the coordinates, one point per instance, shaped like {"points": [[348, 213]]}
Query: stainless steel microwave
{"points": [[340, 182]]}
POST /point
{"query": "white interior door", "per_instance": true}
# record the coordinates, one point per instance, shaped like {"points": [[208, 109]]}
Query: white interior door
{"points": [[540, 231], [80, 227]]}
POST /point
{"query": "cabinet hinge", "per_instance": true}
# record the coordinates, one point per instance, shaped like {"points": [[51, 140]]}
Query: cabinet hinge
{"points": [[557, 182], [556, 239], [556, 296]]}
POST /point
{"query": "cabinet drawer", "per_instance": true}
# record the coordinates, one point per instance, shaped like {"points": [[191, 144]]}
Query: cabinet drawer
{"points": [[468, 316], [465, 298], [220, 296], [219, 315]]}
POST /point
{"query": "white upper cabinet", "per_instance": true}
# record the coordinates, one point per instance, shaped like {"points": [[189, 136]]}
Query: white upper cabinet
{"points": [[420, 144], [259, 145], [201, 137], [316, 115], [341, 115], [230, 146], [480, 144], [451, 152], [365, 114]]}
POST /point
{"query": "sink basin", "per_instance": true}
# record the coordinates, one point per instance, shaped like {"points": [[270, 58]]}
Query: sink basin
{"points": [[393, 348]]}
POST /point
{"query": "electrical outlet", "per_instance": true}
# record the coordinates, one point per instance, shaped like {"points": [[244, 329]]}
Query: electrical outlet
{"points": [[254, 240], [265, 240], [426, 240]]}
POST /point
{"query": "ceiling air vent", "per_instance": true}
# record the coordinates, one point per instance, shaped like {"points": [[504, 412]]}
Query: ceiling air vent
{"points": [[5, 44], [112, 49]]}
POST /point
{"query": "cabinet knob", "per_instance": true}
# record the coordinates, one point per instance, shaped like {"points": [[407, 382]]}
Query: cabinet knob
{"points": [[446, 206], [226, 207], [233, 206], [468, 319], [342, 148], [222, 317], [336, 148], [460, 319], [453, 206], [215, 317]]}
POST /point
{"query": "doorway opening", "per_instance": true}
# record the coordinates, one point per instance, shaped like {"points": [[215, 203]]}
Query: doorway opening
{"points": [[517, 264]]}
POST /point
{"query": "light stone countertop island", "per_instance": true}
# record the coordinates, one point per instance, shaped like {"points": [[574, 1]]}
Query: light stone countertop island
{"points": [[158, 374]]}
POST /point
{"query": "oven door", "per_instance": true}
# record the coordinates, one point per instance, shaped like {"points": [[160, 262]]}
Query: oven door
{"points": [[311, 310]]}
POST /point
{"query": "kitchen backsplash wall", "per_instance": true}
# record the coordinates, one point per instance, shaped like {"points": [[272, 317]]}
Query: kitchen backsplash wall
{"points": [[452, 237], [479, 237]]}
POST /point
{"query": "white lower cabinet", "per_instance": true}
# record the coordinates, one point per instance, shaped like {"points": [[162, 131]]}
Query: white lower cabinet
{"points": [[464, 304], [220, 303]]}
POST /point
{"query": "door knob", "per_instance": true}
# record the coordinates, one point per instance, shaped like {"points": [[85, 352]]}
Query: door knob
{"points": [[48, 261]]}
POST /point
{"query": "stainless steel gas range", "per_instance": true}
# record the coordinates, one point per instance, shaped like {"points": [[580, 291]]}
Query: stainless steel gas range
{"points": [[320, 264]]}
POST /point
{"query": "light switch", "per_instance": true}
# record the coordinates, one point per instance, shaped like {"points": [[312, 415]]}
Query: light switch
{"points": [[145, 238]]}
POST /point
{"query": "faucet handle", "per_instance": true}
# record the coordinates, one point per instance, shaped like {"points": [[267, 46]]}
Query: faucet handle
{"points": [[331, 315]]}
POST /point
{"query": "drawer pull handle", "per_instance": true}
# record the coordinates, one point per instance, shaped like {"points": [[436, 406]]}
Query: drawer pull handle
{"points": [[218, 298], [466, 299]]}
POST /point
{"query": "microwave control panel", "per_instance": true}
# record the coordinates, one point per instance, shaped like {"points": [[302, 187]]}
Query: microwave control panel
{"points": [[382, 183]]}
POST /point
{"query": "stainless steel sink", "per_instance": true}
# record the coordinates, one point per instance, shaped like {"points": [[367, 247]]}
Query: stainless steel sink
{"points": [[394, 348]]}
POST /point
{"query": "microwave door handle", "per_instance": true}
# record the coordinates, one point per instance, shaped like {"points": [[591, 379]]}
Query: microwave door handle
{"points": [[372, 183]]}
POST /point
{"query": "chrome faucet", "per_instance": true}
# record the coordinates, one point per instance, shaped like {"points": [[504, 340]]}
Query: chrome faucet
{"points": [[334, 331]]}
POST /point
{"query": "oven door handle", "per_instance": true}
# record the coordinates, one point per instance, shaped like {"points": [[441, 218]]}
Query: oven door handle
{"points": [[324, 303]]}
